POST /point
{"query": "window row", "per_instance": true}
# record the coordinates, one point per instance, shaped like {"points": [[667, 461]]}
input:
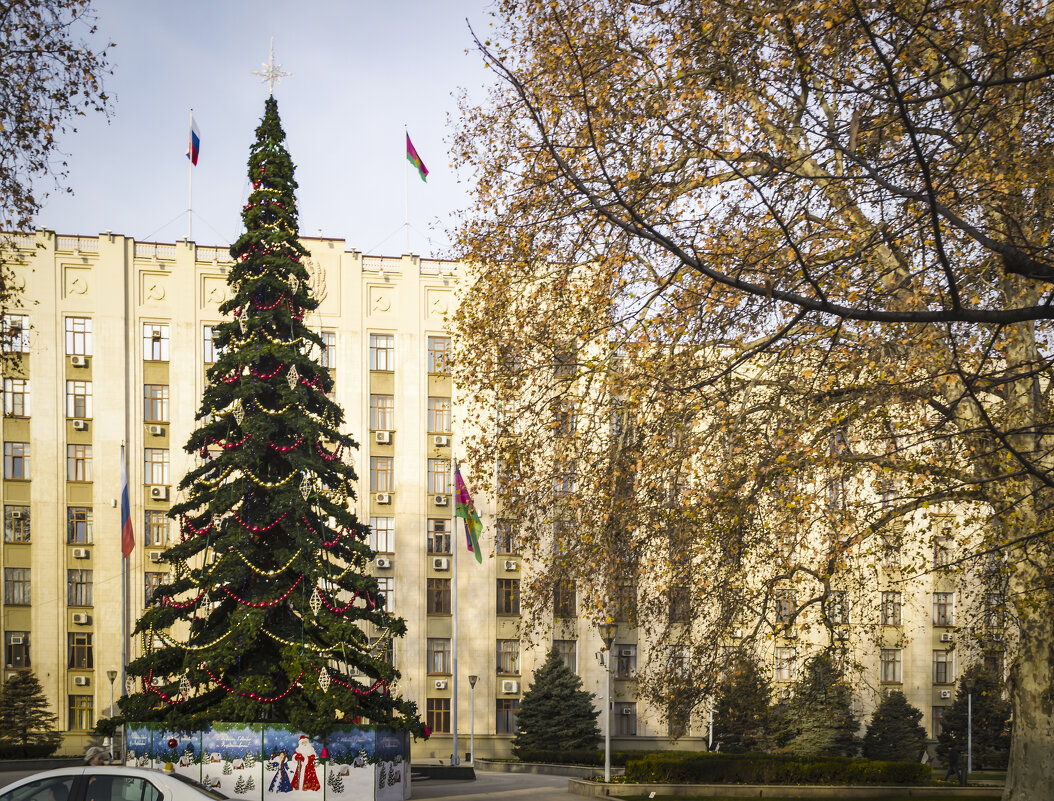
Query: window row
{"points": [[891, 665], [156, 465], [438, 537], [382, 353], [837, 610], [437, 715], [438, 476], [80, 526], [438, 415]]}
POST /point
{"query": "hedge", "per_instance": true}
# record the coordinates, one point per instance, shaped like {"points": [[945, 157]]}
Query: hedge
{"points": [[696, 768], [590, 758], [18, 751]]}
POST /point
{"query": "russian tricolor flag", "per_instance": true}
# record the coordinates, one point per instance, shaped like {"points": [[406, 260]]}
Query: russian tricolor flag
{"points": [[127, 535], [195, 142]]}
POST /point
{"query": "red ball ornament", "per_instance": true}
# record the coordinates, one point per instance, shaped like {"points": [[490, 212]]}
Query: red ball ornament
{"points": [[172, 743]]}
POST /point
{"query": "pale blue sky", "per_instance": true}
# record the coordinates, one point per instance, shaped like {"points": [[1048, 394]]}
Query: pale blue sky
{"points": [[360, 72]]}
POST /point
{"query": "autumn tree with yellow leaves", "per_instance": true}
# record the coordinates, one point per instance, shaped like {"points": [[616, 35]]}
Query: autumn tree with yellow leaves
{"points": [[760, 319]]}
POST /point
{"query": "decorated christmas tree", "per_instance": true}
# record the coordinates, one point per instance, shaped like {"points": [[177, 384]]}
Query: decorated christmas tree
{"points": [[262, 619]]}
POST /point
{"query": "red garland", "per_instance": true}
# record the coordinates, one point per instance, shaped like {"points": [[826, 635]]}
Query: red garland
{"points": [[255, 696], [167, 601], [264, 604], [376, 685]]}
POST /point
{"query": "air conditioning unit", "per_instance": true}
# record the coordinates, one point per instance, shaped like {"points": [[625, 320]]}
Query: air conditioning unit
{"points": [[384, 563], [440, 563], [737, 633], [16, 514], [627, 710], [81, 618], [155, 556], [947, 637], [442, 500], [786, 693], [156, 431], [81, 681], [79, 361], [81, 553], [440, 684], [946, 693], [625, 652], [441, 441], [510, 686], [512, 564], [383, 437], [383, 498], [159, 493], [80, 425], [15, 639]]}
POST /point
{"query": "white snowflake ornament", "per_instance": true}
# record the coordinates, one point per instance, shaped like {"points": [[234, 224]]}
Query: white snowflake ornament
{"points": [[238, 411], [316, 601], [129, 686], [305, 486], [294, 377], [294, 284], [184, 686], [323, 680]]}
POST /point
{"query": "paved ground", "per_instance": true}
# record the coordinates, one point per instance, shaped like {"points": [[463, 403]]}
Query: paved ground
{"points": [[516, 786]]}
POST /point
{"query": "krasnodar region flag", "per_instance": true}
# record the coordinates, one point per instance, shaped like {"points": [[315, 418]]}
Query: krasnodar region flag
{"points": [[413, 158], [466, 510], [195, 142], [127, 535]]}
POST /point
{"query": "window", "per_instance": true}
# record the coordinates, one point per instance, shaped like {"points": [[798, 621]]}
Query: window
{"points": [[505, 715], [787, 545], [891, 604], [680, 604], [568, 651], [625, 660], [944, 609], [994, 664], [16, 586], [151, 581], [838, 607], [16, 524], [382, 473], [625, 599], [438, 655], [16, 397], [943, 667], [382, 353], [438, 715], [564, 362], [79, 525], [78, 399], [155, 403], [155, 524], [563, 423], [891, 554], [79, 588], [78, 462], [625, 718], [942, 551], [678, 719], [382, 534], [564, 480], [15, 333], [155, 342], [994, 610], [383, 650], [210, 352], [439, 354], [439, 421], [382, 412], [17, 649], [438, 596], [938, 721], [155, 466], [891, 661], [327, 356], [80, 650], [78, 336], [508, 596], [386, 590], [81, 713], [438, 479], [505, 540], [564, 605], [786, 603], [786, 664], [508, 654], [16, 461], [438, 536]]}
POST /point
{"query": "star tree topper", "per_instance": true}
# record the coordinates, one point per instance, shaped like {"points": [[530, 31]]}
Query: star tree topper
{"points": [[270, 72]]}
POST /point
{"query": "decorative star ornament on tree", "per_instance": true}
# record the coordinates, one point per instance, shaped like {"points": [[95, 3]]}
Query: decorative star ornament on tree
{"points": [[270, 72], [294, 284], [184, 687], [316, 601]]}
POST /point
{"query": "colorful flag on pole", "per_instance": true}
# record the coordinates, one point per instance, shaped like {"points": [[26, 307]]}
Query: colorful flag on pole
{"points": [[127, 535], [195, 142], [466, 510], [413, 158]]}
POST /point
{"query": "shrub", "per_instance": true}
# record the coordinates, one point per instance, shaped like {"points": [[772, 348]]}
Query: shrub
{"points": [[894, 732], [555, 713], [679, 768], [583, 757]]}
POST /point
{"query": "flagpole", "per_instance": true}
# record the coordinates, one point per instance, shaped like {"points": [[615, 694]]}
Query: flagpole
{"points": [[190, 192], [455, 760], [406, 193]]}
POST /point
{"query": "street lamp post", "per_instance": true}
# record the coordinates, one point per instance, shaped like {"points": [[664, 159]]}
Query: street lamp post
{"points": [[112, 676], [472, 719], [607, 634]]}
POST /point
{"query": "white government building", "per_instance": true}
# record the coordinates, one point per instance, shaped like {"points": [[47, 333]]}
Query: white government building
{"points": [[116, 338]]}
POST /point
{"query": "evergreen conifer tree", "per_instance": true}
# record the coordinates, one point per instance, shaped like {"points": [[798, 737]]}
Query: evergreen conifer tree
{"points": [[895, 734], [991, 720], [743, 716], [271, 574], [819, 719], [555, 713], [24, 717]]}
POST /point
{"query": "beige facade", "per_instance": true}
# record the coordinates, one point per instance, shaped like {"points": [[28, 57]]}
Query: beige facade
{"points": [[114, 350]]}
